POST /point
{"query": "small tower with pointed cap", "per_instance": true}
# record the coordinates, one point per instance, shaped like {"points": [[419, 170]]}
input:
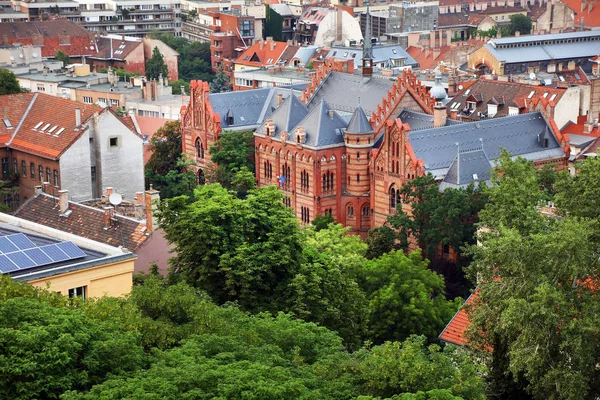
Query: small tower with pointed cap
{"points": [[367, 58], [439, 95], [359, 137]]}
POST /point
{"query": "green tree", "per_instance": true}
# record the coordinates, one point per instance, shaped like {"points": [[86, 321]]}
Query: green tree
{"points": [[405, 297], [273, 25], [232, 152], [537, 302], [156, 65], [61, 56], [220, 83], [234, 249], [577, 195], [521, 23], [180, 85], [380, 240], [9, 83], [322, 221], [47, 350]]}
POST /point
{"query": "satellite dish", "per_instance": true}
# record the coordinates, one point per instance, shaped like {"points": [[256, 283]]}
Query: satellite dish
{"points": [[460, 87], [532, 75], [115, 199]]}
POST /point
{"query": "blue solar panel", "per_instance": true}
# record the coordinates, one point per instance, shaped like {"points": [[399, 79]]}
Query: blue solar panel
{"points": [[54, 253], [6, 265], [21, 241], [38, 256], [6, 246], [71, 249], [21, 260]]}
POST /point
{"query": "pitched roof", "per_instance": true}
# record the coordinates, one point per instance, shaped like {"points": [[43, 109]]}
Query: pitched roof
{"points": [[79, 42], [323, 127], [256, 56], [340, 91], [84, 221], [467, 167], [454, 332], [522, 135], [417, 120], [577, 128], [590, 13], [512, 94], [119, 49], [359, 122], [381, 54], [46, 124], [425, 57], [287, 116]]}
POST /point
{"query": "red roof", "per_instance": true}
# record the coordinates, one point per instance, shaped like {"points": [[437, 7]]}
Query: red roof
{"points": [[59, 34], [590, 15], [577, 129], [42, 124], [256, 56], [454, 332], [425, 57], [148, 127]]}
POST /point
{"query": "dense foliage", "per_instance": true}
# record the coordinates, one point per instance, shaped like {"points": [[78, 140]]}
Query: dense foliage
{"points": [[171, 342], [156, 66], [233, 161], [167, 169], [535, 321], [8, 82]]}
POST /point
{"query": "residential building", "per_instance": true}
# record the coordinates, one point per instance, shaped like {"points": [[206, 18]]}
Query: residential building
{"points": [[385, 56], [8, 14], [484, 99], [288, 20], [63, 262], [232, 34], [531, 53], [21, 59], [270, 77], [130, 225], [265, 53], [587, 13], [404, 17], [68, 145], [552, 16]]}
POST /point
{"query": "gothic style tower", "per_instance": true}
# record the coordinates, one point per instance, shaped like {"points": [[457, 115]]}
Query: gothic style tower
{"points": [[367, 58], [359, 137]]}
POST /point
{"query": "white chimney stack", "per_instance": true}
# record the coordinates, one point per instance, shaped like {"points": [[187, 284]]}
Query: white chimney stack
{"points": [[78, 117]]}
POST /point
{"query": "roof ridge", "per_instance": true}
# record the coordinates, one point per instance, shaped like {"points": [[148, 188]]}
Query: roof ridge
{"points": [[33, 99]]}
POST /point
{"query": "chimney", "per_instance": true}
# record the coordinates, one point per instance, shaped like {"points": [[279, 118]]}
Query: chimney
{"points": [[583, 5], [272, 44], [439, 115], [432, 39], [330, 113], [38, 190], [78, 117], [109, 191], [108, 213], [279, 98], [571, 66], [517, 33], [151, 198], [436, 52], [261, 44], [63, 201], [46, 186]]}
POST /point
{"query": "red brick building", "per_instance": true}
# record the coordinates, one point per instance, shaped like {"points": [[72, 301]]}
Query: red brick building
{"points": [[347, 143], [231, 35]]}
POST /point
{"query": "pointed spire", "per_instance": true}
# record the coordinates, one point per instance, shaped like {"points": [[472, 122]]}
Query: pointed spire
{"points": [[367, 58]]}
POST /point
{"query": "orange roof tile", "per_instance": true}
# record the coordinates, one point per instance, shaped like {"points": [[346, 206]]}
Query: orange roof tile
{"points": [[454, 332], [577, 128], [256, 56], [425, 58], [43, 124], [590, 14]]}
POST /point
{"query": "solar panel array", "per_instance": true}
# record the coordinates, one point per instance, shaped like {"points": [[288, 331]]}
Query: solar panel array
{"points": [[18, 252]]}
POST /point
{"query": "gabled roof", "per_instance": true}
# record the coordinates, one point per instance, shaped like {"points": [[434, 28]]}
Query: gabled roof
{"points": [[518, 134], [590, 15], [467, 167], [45, 125], [340, 91], [359, 122], [454, 332], [323, 127], [417, 120], [119, 49], [265, 56], [381, 54], [287, 116], [84, 221]]}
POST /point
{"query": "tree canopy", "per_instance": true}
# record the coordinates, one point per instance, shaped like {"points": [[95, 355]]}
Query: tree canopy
{"points": [[521, 23], [9, 83], [536, 274], [156, 66]]}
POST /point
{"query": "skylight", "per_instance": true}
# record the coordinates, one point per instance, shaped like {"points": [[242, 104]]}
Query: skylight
{"points": [[531, 94], [45, 127], [59, 131], [38, 125], [52, 129], [7, 123], [553, 97], [467, 92], [545, 94]]}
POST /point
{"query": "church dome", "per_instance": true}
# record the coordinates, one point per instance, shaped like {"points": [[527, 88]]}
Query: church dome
{"points": [[437, 91]]}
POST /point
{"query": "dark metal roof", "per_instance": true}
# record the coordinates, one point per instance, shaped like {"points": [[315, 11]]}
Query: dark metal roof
{"points": [[359, 122], [287, 116], [418, 120], [467, 167], [323, 127]]}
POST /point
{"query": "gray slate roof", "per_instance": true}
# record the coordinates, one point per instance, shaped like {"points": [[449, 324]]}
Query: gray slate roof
{"points": [[323, 130], [381, 54], [359, 122], [418, 121], [305, 53], [287, 116], [466, 166], [341, 91], [249, 108], [518, 134]]}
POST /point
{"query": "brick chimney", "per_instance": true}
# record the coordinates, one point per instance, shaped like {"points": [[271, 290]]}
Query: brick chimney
{"points": [[589, 123], [108, 213], [46, 186], [279, 98], [261, 44], [439, 115], [271, 43], [38, 190], [63, 201], [151, 198]]}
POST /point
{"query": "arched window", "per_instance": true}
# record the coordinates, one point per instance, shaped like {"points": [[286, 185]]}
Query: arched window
{"points": [[328, 181], [199, 148], [393, 197], [350, 210], [365, 210], [201, 179], [304, 180]]}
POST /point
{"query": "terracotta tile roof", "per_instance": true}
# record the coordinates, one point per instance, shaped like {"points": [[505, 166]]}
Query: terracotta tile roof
{"points": [[148, 127], [574, 77], [454, 332], [590, 14], [257, 57], [288, 53], [425, 57], [79, 42], [40, 122], [505, 94], [577, 128], [120, 48], [460, 19], [84, 221]]}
